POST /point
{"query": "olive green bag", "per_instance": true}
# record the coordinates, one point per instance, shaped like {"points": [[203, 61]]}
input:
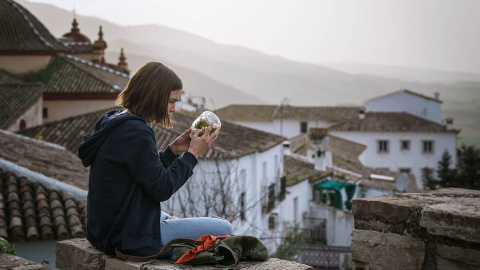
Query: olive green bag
{"points": [[224, 252]]}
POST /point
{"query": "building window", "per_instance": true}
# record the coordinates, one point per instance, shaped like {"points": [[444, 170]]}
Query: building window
{"points": [[303, 127], [382, 146], [405, 144], [295, 209], [242, 206], [404, 170], [427, 146], [272, 221], [45, 112]]}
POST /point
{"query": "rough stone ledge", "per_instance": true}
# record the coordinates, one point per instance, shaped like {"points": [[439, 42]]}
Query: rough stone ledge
{"points": [[79, 254], [12, 262], [446, 213]]}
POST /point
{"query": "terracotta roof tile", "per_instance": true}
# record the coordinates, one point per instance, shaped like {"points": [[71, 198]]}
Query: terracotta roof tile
{"points": [[21, 32], [16, 99], [41, 219], [297, 170], [390, 122], [267, 113], [45, 159]]}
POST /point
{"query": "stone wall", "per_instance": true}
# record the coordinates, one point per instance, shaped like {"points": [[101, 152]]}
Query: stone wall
{"points": [[435, 230], [79, 254]]}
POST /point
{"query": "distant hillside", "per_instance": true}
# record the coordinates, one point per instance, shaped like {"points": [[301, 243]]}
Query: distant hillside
{"points": [[405, 73], [216, 93], [233, 73]]}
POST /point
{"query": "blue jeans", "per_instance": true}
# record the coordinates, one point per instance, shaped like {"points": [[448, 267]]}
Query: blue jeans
{"points": [[191, 228]]}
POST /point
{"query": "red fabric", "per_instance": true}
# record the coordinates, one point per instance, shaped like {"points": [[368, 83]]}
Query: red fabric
{"points": [[208, 241]]}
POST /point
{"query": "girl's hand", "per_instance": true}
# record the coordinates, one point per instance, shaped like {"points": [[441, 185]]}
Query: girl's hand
{"points": [[181, 143], [198, 145]]}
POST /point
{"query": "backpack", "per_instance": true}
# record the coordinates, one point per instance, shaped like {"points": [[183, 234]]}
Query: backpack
{"points": [[221, 251]]}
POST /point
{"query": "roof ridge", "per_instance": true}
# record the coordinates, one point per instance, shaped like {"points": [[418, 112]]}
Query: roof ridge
{"points": [[32, 27], [20, 83], [76, 59], [38, 142]]}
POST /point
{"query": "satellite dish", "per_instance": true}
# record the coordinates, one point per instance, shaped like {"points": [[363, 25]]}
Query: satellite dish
{"points": [[402, 182]]}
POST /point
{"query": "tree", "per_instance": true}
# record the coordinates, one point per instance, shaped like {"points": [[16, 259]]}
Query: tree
{"points": [[468, 167], [465, 175], [290, 246], [447, 177], [215, 189], [427, 174]]}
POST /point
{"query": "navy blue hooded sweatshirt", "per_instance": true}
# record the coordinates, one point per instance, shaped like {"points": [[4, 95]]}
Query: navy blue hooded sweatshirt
{"points": [[128, 180]]}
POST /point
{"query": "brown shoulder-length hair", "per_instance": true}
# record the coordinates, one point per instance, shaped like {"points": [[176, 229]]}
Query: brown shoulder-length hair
{"points": [[148, 91]]}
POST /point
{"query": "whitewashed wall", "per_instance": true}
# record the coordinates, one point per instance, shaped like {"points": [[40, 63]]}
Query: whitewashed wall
{"points": [[339, 223], [60, 109], [249, 176], [405, 102], [20, 64], [32, 117], [396, 158], [286, 128]]}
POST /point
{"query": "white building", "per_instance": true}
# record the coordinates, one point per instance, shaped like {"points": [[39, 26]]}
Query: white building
{"points": [[399, 141], [409, 102]]}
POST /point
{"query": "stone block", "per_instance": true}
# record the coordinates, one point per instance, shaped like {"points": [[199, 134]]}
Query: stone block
{"points": [[454, 217], [375, 250], [453, 258], [78, 254], [388, 209]]}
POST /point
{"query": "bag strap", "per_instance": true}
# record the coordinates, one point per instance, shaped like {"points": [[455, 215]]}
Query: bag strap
{"points": [[207, 243], [134, 258]]}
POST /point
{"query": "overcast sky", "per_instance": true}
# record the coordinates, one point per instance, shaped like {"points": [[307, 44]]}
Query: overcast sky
{"points": [[437, 34]]}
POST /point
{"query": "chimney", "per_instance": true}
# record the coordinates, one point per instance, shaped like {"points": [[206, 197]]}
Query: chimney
{"points": [[320, 160], [436, 95], [361, 114], [449, 122], [286, 148]]}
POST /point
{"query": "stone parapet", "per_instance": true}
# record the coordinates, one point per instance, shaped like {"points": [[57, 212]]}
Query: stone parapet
{"points": [[79, 254], [12, 262], [434, 230]]}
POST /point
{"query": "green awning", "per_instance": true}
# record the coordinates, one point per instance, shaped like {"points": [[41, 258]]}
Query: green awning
{"points": [[337, 186], [332, 185]]}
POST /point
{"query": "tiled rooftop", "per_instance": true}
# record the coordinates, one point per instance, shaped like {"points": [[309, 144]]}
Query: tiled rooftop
{"points": [[16, 98], [21, 32], [68, 75], [40, 157], [297, 170], [267, 113], [390, 122], [234, 141], [29, 211]]}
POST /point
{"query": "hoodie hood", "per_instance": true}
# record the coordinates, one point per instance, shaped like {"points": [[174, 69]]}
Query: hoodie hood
{"points": [[87, 151]]}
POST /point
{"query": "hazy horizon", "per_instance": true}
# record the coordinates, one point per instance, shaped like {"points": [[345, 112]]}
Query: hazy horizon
{"points": [[431, 34]]}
